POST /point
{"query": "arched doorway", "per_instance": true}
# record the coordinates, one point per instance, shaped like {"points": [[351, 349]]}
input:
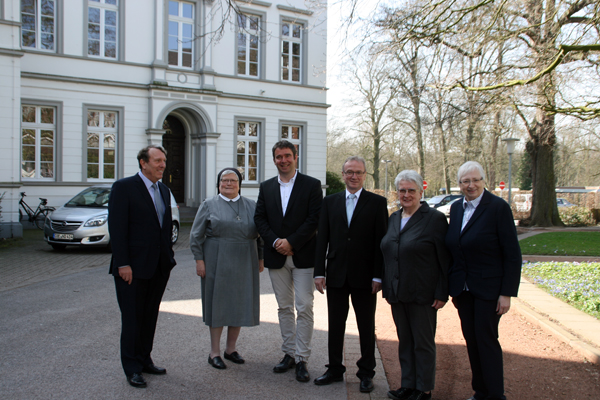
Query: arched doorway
{"points": [[174, 142]]}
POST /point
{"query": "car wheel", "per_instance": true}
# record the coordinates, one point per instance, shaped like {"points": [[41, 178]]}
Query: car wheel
{"points": [[175, 233], [109, 248], [58, 247]]}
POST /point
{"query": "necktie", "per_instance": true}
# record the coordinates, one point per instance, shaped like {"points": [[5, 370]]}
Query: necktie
{"points": [[158, 203], [350, 207]]}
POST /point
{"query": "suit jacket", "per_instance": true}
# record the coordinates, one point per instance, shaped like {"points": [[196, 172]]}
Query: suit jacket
{"points": [[416, 257], [298, 226], [486, 254], [352, 252], [136, 236]]}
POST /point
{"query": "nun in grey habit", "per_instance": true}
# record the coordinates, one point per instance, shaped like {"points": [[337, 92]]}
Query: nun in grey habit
{"points": [[229, 256]]}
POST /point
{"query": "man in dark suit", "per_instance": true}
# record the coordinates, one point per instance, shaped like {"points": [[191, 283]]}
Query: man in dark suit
{"points": [[287, 214], [351, 227], [139, 222], [484, 275]]}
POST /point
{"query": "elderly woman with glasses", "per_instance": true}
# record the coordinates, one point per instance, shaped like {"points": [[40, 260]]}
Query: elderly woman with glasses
{"points": [[415, 283], [484, 275], [228, 254]]}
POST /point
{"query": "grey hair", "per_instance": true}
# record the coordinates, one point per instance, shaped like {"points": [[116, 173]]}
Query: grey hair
{"points": [[409, 175], [355, 158], [470, 166]]}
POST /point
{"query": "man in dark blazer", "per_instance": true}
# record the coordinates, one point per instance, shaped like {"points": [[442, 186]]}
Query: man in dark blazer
{"points": [[287, 215], [139, 222], [484, 275], [351, 227]]}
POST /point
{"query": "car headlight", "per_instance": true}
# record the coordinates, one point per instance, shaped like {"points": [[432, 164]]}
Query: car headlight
{"points": [[97, 221]]}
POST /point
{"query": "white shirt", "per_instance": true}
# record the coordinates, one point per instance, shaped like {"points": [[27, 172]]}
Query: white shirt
{"points": [[285, 189], [358, 192], [470, 207], [149, 184]]}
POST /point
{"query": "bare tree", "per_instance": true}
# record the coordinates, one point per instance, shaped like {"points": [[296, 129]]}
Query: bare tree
{"points": [[375, 94], [541, 38]]}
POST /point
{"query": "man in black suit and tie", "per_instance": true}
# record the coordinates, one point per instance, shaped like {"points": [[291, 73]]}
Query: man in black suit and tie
{"points": [[139, 222], [351, 227], [287, 214]]}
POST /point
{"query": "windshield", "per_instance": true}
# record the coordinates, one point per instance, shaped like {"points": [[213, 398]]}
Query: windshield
{"points": [[436, 199], [91, 197]]}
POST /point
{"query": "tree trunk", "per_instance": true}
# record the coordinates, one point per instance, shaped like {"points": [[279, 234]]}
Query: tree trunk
{"points": [[544, 211], [493, 152], [376, 158]]}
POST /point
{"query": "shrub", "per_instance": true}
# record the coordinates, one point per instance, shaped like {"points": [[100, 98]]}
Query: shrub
{"points": [[334, 183], [576, 216]]}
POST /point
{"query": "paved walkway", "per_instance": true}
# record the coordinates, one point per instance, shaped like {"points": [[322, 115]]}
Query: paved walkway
{"points": [[60, 323]]}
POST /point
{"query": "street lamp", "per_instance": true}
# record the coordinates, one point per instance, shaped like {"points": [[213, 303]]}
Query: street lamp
{"points": [[510, 149], [386, 175]]}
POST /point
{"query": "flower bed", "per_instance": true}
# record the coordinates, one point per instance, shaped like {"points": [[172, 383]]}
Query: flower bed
{"points": [[578, 284]]}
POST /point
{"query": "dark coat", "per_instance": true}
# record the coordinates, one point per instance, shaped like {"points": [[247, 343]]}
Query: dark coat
{"points": [[298, 226], [486, 254], [416, 258], [136, 236], [352, 252]]}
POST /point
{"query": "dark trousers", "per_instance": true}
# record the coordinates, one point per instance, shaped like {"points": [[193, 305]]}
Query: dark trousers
{"points": [[139, 303], [479, 322], [415, 325], [364, 303]]}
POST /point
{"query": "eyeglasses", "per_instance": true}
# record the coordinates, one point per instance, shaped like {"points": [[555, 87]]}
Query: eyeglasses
{"points": [[467, 182], [405, 191], [357, 173], [227, 181]]}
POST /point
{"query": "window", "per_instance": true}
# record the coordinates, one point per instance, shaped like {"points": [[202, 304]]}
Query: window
{"points": [[293, 134], [181, 34], [248, 136], [248, 45], [102, 28], [38, 24], [291, 51], [38, 133], [102, 127]]}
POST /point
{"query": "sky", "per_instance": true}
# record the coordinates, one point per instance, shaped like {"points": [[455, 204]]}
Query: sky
{"points": [[336, 46]]}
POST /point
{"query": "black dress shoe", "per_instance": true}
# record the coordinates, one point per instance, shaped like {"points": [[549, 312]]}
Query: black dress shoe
{"points": [[136, 380], [302, 374], [418, 395], [154, 370], [366, 384], [217, 362], [400, 394], [234, 357], [328, 378], [286, 363]]}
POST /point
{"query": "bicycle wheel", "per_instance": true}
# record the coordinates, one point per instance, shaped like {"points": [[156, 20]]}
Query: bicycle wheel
{"points": [[41, 219]]}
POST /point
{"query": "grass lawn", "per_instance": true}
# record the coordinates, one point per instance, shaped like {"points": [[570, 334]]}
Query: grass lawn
{"points": [[562, 244], [578, 284]]}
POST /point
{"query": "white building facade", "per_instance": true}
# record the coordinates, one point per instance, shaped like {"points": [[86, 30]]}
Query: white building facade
{"points": [[85, 84]]}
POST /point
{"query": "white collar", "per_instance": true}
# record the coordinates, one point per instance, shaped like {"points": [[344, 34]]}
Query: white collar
{"points": [[475, 202], [291, 181], [236, 198]]}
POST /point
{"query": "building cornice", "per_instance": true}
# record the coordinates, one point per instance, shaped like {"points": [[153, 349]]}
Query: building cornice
{"points": [[294, 9], [100, 82], [11, 52], [255, 3]]}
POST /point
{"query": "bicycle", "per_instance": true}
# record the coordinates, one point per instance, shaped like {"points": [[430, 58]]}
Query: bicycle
{"points": [[37, 217]]}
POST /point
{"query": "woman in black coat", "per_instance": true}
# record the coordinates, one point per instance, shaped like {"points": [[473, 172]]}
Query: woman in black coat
{"points": [[415, 284], [484, 275]]}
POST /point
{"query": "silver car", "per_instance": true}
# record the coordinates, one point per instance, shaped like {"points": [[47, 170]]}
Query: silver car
{"points": [[82, 221]]}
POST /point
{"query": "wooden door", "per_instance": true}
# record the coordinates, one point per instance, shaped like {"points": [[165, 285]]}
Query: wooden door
{"points": [[174, 143]]}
